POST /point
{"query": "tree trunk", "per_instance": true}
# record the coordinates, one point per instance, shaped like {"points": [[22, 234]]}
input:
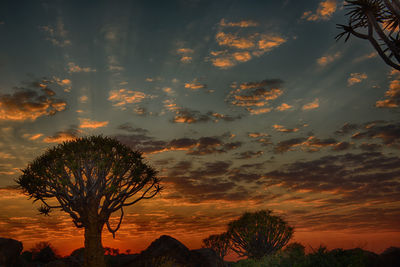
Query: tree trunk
{"points": [[94, 252]]}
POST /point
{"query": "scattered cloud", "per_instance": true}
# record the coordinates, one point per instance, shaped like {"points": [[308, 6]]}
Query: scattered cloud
{"points": [[57, 35], [311, 105], [356, 78], [185, 115], [87, 123], [113, 64], [195, 85], [28, 104], [238, 47], [281, 128], [249, 154], [392, 94], [366, 56], [324, 11], [62, 136], [325, 60], [307, 144], [254, 96], [123, 97], [4, 155], [185, 54], [72, 67], [284, 107], [388, 132], [83, 99], [32, 137], [240, 24], [192, 146], [129, 128]]}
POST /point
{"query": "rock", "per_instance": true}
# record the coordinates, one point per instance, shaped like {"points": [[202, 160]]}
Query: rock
{"points": [[165, 249], [10, 251], [168, 251]]}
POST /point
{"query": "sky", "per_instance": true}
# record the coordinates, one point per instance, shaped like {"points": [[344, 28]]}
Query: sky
{"points": [[240, 106]]}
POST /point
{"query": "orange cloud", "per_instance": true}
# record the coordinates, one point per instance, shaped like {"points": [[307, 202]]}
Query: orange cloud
{"points": [[257, 135], [281, 128], [268, 42], [356, 78], [311, 105], [185, 54], [6, 156], [242, 56], [325, 60], [87, 123], [283, 107], [122, 97], [72, 67], [223, 62], [195, 85], [240, 24], [232, 40], [27, 104], [57, 35], [33, 137], [259, 111], [393, 95], [60, 137], [83, 99], [324, 11]]}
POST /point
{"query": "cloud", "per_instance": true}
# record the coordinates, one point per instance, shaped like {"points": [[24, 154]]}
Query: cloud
{"points": [[83, 99], [28, 104], [388, 132], [240, 24], [309, 144], [284, 107], [87, 123], [198, 147], [347, 128], [239, 47], [324, 11], [281, 128], [254, 95], [392, 94], [123, 97], [355, 178], [325, 60], [185, 115], [72, 67], [195, 85], [129, 128], [32, 137], [356, 78], [311, 105], [249, 154], [62, 136], [4, 155], [57, 35], [366, 56], [185, 54]]}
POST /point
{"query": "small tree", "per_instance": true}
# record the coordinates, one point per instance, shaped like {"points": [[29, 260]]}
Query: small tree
{"points": [[255, 235], [219, 243], [43, 252], [90, 178], [378, 22]]}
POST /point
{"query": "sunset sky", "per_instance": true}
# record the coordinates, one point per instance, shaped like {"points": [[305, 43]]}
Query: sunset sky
{"points": [[240, 106]]}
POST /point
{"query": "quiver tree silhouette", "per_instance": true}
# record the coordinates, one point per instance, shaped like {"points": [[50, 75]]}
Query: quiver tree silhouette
{"points": [[219, 243], [89, 178], [258, 234], [378, 22]]}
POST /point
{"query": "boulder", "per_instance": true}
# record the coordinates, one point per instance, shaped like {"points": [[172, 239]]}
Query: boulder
{"points": [[168, 251], [10, 251]]}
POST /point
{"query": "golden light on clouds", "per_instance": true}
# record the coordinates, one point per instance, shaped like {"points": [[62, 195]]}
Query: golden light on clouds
{"points": [[312, 105], [324, 11], [356, 78], [87, 123], [122, 97], [325, 60], [60, 137], [284, 107]]}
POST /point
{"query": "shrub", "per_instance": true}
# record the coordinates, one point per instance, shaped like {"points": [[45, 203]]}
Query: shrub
{"points": [[256, 235]]}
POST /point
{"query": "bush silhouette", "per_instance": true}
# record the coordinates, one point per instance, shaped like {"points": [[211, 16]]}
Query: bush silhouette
{"points": [[219, 243], [255, 235], [43, 252]]}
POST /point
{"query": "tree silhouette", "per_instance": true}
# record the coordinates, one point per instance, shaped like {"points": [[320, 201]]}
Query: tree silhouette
{"points": [[255, 235], [90, 178], [219, 243], [378, 22]]}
